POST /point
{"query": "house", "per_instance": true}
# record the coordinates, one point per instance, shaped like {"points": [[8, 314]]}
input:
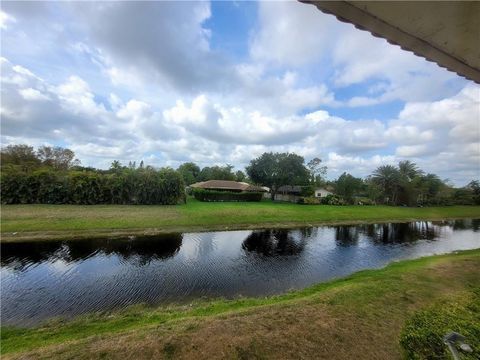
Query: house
{"points": [[322, 192], [266, 194], [227, 185], [289, 193], [293, 193], [226, 190]]}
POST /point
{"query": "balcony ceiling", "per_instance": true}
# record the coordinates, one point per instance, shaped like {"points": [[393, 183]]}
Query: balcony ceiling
{"points": [[447, 33]]}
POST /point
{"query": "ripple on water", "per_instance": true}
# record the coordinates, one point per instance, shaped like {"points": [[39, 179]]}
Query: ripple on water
{"points": [[41, 280]]}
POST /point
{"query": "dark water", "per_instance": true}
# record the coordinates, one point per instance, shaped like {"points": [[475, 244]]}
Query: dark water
{"points": [[40, 280]]}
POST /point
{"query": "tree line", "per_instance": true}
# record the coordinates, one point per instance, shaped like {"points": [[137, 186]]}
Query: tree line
{"points": [[54, 175], [405, 184]]}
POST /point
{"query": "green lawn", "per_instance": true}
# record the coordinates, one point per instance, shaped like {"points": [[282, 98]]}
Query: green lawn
{"points": [[358, 317], [68, 221]]}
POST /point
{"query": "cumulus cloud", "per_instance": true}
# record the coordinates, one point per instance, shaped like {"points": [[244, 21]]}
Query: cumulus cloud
{"points": [[293, 35], [5, 19], [33, 94], [448, 134], [129, 81], [164, 42], [289, 34]]}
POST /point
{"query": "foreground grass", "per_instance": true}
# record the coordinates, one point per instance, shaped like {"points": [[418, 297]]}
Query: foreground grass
{"points": [[359, 317], [73, 221]]}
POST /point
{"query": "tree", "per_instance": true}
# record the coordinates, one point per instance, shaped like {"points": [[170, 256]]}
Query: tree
{"points": [[347, 186], [189, 172], [21, 155], [409, 170], [116, 167], [278, 169], [240, 176], [474, 186], [57, 157], [217, 173], [373, 190], [432, 185], [387, 177], [317, 171]]}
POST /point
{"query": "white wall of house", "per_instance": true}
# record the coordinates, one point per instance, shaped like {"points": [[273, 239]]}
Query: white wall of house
{"points": [[322, 192]]}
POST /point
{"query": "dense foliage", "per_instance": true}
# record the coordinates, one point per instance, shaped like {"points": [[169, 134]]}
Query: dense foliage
{"points": [[422, 336], [52, 176], [277, 169], [191, 173], [409, 185], [46, 186], [211, 195], [347, 186]]}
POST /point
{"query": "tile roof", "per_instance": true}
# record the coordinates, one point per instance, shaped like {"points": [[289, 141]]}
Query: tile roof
{"points": [[227, 185]]}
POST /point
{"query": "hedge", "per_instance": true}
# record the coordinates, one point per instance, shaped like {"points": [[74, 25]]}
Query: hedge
{"points": [[212, 195], [141, 186]]}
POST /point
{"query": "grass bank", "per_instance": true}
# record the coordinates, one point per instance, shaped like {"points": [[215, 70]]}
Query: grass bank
{"points": [[358, 317], [76, 221]]}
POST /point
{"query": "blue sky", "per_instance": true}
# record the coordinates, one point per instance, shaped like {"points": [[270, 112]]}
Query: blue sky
{"points": [[223, 82]]}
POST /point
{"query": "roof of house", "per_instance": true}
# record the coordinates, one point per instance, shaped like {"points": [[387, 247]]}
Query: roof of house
{"points": [[290, 189], [227, 185], [323, 189]]}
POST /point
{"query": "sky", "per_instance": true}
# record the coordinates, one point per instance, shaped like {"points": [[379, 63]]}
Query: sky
{"points": [[223, 82]]}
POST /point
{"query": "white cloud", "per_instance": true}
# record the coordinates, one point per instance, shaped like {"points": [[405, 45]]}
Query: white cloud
{"points": [[441, 136], [134, 110], [290, 33], [5, 19], [408, 151], [295, 35], [77, 97], [360, 166], [33, 95]]}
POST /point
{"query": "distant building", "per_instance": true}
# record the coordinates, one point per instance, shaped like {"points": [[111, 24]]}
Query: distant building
{"points": [[292, 193], [322, 192], [227, 185], [289, 193]]}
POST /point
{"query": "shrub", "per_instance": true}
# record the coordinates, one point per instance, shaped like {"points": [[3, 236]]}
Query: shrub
{"points": [[309, 200], [213, 195], [422, 336], [333, 200], [363, 201], [307, 191]]}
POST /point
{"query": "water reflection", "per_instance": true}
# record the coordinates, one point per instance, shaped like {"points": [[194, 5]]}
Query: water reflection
{"points": [[347, 235], [473, 224], [278, 242], [137, 250], [395, 233], [62, 278]]}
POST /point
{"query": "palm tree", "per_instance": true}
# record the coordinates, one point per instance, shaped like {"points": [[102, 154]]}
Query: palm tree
{"points": [[409, 176], [388, 177], [409, 169]]}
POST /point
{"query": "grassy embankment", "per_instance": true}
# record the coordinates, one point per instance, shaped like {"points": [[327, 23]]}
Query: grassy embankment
{"points": [[358, 317], [73, 221]]}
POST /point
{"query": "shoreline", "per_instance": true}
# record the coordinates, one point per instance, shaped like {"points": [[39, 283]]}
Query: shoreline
{"points": [[70, 222], [73, 235], [354, 294]]}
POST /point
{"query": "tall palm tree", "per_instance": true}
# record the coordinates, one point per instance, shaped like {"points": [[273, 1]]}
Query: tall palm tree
{"points": [[409, 169], [409, 176], [388, 178]]}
